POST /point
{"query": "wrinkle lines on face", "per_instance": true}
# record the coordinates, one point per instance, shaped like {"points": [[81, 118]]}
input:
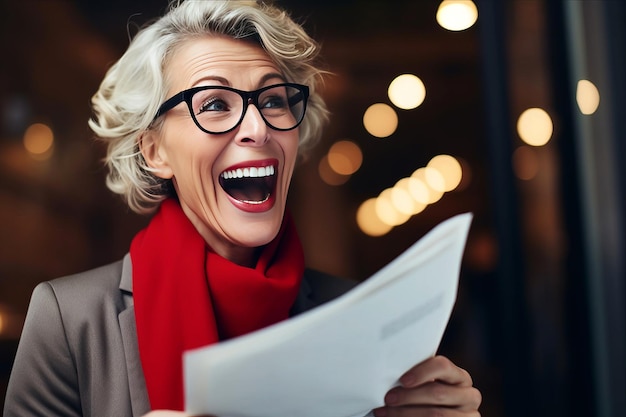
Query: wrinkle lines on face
{"points": [[201, 59], [232, 228]]}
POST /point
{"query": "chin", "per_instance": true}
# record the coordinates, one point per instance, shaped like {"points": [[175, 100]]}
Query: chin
{"points": [[260, 233]]}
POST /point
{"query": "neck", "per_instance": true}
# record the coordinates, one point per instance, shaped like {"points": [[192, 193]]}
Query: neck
{"points": [[240, 255]]}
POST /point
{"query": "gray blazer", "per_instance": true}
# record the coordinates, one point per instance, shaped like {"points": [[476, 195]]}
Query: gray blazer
{"points": [[78, 353]]}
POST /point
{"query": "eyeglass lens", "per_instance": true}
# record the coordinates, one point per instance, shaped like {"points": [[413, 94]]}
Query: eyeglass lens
{"points": [[219, 110]]}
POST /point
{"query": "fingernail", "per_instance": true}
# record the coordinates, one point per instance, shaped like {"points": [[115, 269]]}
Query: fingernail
{"points": [[407, 380], [380, 412], [391, 398]]}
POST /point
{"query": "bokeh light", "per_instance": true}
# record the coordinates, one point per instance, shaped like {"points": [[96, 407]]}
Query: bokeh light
{"points": [[368, 221], [430, 176], [328, 175], [419, 190], [411, 195], [380, 120], [434, 179], [411, 187], [587, 97], [457, 15], [386, 210], [39, 140], [449, 168], [345, 157], [402, 200], [407, 91], [481, 253], [535, 127]]}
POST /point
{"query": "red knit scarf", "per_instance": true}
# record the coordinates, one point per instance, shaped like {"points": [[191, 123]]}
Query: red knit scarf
{"points": [[186, 296]]}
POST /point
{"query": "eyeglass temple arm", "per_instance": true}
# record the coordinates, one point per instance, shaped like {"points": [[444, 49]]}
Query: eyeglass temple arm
{"points": [[296, 98], [170, 104]]}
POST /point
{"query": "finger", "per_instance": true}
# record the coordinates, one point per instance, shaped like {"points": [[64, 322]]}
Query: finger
{"points": [[436, 394], [422, 412], [437, 368]]}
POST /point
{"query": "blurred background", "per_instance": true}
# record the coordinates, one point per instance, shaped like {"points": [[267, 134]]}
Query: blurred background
{"points": [[508, 109]]}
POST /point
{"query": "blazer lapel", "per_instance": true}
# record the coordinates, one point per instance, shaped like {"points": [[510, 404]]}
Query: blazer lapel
{"points": [[137, 385], [304, 299], [318, 288]]}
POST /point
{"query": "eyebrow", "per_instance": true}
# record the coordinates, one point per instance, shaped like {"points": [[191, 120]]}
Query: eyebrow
{"points": [[264, 79], [219, 79], [270, 76]]}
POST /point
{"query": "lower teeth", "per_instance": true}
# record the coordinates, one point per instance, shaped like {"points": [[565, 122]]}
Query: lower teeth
{"points": [[257, 202]]}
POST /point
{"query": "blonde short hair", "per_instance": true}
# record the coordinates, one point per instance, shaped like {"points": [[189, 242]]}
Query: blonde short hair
{"points": [[135, 86]]}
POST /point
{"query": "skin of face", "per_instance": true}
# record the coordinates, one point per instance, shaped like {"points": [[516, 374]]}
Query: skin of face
{"points": [[194, 160]]}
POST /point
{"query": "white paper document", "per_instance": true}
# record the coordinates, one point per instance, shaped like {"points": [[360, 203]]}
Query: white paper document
{"points": [[339, 359]]}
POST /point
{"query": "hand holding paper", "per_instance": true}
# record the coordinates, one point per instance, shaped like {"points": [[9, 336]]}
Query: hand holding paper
{"points": [[433, 384], [340, 359]]}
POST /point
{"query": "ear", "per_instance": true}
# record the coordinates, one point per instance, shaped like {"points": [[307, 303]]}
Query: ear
{"points": [[154, 155]]}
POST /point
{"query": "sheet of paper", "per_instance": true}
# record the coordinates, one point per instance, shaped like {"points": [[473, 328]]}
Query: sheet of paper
{"points": [[339, 359]]}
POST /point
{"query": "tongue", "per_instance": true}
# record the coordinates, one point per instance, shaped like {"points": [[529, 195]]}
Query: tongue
{"points": [[247, 189]]}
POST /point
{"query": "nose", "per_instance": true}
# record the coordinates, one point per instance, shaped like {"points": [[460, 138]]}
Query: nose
{"points": [[252, 131]]}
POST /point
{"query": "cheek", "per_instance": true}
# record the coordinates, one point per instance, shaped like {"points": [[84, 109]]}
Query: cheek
{"points": [[291, 155], [189, 151], [291, 149], [192, 168]]}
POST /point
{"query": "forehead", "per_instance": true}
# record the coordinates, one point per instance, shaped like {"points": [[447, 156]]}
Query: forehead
{"points": [[237, 61]]}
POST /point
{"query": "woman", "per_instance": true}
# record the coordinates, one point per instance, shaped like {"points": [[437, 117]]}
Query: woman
{"points": [[204, 116]]}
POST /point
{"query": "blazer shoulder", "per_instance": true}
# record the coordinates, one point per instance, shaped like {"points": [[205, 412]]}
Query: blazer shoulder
{"points": [[71, 356], [90, 298], [103, 277], [84, 290]]}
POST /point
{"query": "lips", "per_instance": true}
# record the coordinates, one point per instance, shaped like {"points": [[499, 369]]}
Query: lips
{"points": [[251, 185]]}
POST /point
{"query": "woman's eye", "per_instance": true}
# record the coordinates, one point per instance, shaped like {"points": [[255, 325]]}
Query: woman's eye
{"points": [[274, 102], [213, 104]]}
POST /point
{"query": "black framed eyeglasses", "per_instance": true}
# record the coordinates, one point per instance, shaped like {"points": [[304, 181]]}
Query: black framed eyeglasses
{"points": [[220, 109]]}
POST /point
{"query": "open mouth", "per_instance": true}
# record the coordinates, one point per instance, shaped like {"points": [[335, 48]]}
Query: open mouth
{"points": [[250, 184]]}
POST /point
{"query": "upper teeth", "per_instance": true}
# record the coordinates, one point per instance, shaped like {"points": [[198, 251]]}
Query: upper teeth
{"points": [[251, 172]]}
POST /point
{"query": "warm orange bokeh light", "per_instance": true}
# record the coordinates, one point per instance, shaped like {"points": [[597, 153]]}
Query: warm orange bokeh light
{"points": [[368, 221], [587, 97], [38, 140], [450, 170], [345, 157], [380, 120], [535, 127], [330, 176], [457, 15]]}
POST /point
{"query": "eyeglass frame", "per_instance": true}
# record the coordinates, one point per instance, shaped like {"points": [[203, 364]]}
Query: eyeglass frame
{"points": [[249, 97]]}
